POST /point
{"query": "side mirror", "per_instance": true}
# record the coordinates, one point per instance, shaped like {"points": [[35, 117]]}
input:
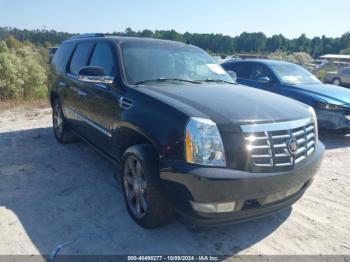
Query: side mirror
{"points": [[233, 75], [264, 80], [94, 74]]}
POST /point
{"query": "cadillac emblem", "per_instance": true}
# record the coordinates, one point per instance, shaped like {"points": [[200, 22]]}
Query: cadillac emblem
{"points": [[293, 146]]}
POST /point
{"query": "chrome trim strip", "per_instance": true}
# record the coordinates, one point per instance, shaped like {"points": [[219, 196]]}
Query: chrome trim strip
{"points": [[126, 103], [102, 86], [76, 78], [311, 150], [276, 126], [285, 164], [299, 133], [96, 79], [88, 121], [71, 76], [299, 159]]}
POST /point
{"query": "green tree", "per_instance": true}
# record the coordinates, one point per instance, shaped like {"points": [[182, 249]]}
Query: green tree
{"points": [[316, 47], [12, 42], [146, 33], [276, 43], [344, 41], [345, 51], [302, 44], [10, 76], [251, 42], [22, 71]]}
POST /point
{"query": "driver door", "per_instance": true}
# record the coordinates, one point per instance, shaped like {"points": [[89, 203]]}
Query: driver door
{"points": [[101, 103]]}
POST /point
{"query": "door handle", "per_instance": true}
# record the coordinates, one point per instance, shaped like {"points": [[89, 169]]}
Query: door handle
{"points": [[82, 93], [62, 84]]}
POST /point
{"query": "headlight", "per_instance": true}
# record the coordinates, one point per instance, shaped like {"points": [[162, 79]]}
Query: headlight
{"points": [[203, 143], [330, 107], [312, 111]]}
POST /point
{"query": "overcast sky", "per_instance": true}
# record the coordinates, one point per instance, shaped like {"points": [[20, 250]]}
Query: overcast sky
{"points": [[231, 17]]}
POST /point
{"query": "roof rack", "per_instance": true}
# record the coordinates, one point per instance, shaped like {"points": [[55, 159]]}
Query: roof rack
{"points": [[87, 35]]}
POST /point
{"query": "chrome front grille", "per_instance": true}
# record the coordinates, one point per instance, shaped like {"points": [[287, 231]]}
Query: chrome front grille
{"points": [[269, 145]]}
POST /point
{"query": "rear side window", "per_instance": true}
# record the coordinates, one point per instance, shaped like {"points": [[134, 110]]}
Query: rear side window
{"points": [[242, 70], [346, 71], [103, 56], [80, 57], [61, 56]]}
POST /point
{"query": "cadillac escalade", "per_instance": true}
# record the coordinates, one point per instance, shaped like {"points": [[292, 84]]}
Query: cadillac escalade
{"points": [[188, 138]]}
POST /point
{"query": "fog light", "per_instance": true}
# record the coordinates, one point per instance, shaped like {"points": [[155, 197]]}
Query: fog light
{"points": [[213, 207]]}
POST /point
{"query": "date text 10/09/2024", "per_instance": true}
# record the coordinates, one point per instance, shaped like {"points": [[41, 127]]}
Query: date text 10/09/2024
{"points": [[173, 258]]}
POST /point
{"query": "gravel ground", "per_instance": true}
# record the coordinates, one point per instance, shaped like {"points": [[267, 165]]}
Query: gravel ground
{"points": [[52, 193]]}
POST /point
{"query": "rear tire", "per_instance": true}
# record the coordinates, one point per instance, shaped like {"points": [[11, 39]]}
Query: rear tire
{"points": [[336, 82], [62, 132], [142, 189]]}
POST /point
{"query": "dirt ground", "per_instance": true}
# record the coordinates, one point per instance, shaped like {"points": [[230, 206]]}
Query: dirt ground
{"points": [[52, 193]]}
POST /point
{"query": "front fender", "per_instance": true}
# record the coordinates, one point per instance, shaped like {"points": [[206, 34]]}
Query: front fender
{"points": [[157, 122], [305, 97]]}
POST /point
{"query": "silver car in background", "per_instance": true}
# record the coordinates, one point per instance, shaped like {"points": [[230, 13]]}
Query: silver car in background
{"points": [[339, 78]]}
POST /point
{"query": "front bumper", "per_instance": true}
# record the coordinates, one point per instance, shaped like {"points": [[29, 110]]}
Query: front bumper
{"points": [[256, 194], [333, 120]]}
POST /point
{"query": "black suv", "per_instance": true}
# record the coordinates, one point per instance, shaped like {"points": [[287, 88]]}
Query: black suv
{"points": [[187, 137]]}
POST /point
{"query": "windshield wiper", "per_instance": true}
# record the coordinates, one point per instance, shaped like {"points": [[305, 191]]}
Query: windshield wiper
{"points": [[217, 81], [286, 83], [161, 79]]}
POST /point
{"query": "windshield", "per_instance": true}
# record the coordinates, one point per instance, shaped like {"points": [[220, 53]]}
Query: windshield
{"points": [[148, 61], [294, 75]]}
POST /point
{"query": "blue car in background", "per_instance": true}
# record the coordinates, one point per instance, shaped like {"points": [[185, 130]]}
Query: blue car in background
{"points": [[331, 103]]}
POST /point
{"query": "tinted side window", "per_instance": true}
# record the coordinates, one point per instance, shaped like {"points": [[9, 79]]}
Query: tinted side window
{"points": [[259, 70], [103, 56], [346, 71], [61, 56], [80, 57], [243, 70]]}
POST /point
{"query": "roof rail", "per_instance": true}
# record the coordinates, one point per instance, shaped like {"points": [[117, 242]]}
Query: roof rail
{"points": [[87, 35]]}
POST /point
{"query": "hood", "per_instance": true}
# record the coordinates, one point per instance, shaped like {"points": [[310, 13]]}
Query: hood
{"points": [[228, 105], [328, 93]]}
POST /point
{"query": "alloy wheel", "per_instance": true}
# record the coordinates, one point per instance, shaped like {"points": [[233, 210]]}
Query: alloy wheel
{"points": [[336, 82], [58, 120], [135, 187]]}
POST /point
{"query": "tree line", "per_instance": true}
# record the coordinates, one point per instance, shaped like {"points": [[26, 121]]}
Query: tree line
{"points": [[25, 74], [214, 43]]}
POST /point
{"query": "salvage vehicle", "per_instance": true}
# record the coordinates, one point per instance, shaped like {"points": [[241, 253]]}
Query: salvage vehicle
{"points": [[189, 140], [339, 78], [331, 103]]}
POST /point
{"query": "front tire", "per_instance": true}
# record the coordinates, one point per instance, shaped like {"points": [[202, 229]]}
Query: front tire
{"points": [[336, 82], [60, 128], [142, 189]]}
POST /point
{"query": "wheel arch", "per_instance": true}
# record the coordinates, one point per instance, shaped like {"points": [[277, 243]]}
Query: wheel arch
{"points": [[132, 135], [336, 78], [53, 97]]}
